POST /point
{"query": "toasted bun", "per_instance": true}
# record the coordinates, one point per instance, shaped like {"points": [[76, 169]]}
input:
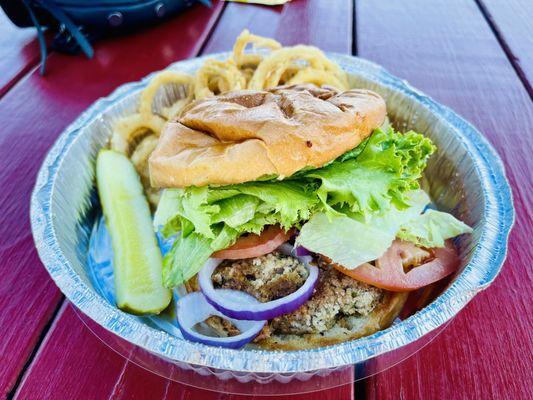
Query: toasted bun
{"points": [[243, 135], [357, 327]]}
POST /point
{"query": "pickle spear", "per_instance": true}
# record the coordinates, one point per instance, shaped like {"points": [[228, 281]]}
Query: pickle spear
{"points": [[137, 262]]}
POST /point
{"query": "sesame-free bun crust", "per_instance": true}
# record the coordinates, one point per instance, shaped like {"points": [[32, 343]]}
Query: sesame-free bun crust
{"points": [[352, 327], [244, 135]]}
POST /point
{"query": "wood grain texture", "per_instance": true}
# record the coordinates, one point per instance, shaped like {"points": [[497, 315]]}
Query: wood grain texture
{"points": [[59, 351], [239, 16], [512, 21], [449, 51], [33, 113], [69, 354], [74, 364], [313, 22], [19, 52]]}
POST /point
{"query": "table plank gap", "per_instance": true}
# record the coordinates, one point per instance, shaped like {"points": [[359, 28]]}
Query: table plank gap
{"points": [[513, 58], [41, 341], [19, 75], [238, 16], [512, 24], [354, 29], [44, 338], [207, 37], [312, 22], [328, 27], [449, 51], [70, 354]]}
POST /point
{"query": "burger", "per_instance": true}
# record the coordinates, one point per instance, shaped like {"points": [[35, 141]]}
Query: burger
{"points": [[294, 217]]}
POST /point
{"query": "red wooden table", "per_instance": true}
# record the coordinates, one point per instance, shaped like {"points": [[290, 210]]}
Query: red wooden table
{"points": [[474, 56]]}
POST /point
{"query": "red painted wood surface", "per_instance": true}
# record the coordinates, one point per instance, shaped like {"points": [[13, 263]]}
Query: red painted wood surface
{"points": [[513, 22], [33, 113], [312, 22], [19, 52], [74, 364], [449, 51], [126, 380]]}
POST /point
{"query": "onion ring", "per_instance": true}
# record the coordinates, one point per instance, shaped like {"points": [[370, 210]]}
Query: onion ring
{"points": [[270, 70], [228, 77], [175, 109], [140, 155], [251, 59], [127, 129], [139, 158], [317, 77], [163, 78]]}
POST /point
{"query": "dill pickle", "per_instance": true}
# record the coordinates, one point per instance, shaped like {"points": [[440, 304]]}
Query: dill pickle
{"points": [[137, 261]]}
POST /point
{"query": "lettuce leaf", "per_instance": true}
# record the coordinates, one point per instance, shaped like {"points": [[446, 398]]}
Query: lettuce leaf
{"points": [[167, 209], [181, 262], [432, 228], [375, 180], [388, 167], [211, 219], [354, 241]]}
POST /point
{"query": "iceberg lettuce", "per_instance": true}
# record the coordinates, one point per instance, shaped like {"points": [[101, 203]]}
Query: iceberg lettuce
{"points": [[432, 228], [351, 242]]}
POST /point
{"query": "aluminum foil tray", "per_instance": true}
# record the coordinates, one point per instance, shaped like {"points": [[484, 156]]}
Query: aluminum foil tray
{"points": [[465, 177]]}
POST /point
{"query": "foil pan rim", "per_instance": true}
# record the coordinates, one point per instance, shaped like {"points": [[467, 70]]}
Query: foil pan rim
{"points": [[499, 209]]}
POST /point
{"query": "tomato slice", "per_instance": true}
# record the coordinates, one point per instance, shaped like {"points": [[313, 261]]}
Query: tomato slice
{"points": [[255, 245], [389, 273]]}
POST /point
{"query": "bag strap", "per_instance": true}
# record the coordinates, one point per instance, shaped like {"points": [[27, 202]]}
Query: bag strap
{"points": [[64, 20], [47, 13], [40, 36]]}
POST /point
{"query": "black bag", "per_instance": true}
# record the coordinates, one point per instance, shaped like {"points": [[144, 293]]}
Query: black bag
{"points": [[78, 23]]}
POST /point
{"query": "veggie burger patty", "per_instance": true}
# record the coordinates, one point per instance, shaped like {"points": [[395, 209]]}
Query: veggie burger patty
{"points": [[275, 275]]}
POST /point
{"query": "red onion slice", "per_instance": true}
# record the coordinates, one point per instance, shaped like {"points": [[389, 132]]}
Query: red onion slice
{"points": [[256, 311], [301, 251], [193, 309]]}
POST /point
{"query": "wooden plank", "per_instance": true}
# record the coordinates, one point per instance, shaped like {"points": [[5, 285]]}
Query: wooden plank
{"points": [[314, 22], [33, 113], [129, 381], [238, 16], [67, 356], [19, 52], [512, 20], [319, 23], [449, 51], [75, 364]]}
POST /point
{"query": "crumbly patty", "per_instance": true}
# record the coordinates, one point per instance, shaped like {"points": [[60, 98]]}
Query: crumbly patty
{"points": [[336, 296], [272, 276], [267, 278]]}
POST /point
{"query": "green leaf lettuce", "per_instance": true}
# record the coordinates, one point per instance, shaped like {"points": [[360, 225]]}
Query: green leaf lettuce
{"points": [[367, 193]]}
